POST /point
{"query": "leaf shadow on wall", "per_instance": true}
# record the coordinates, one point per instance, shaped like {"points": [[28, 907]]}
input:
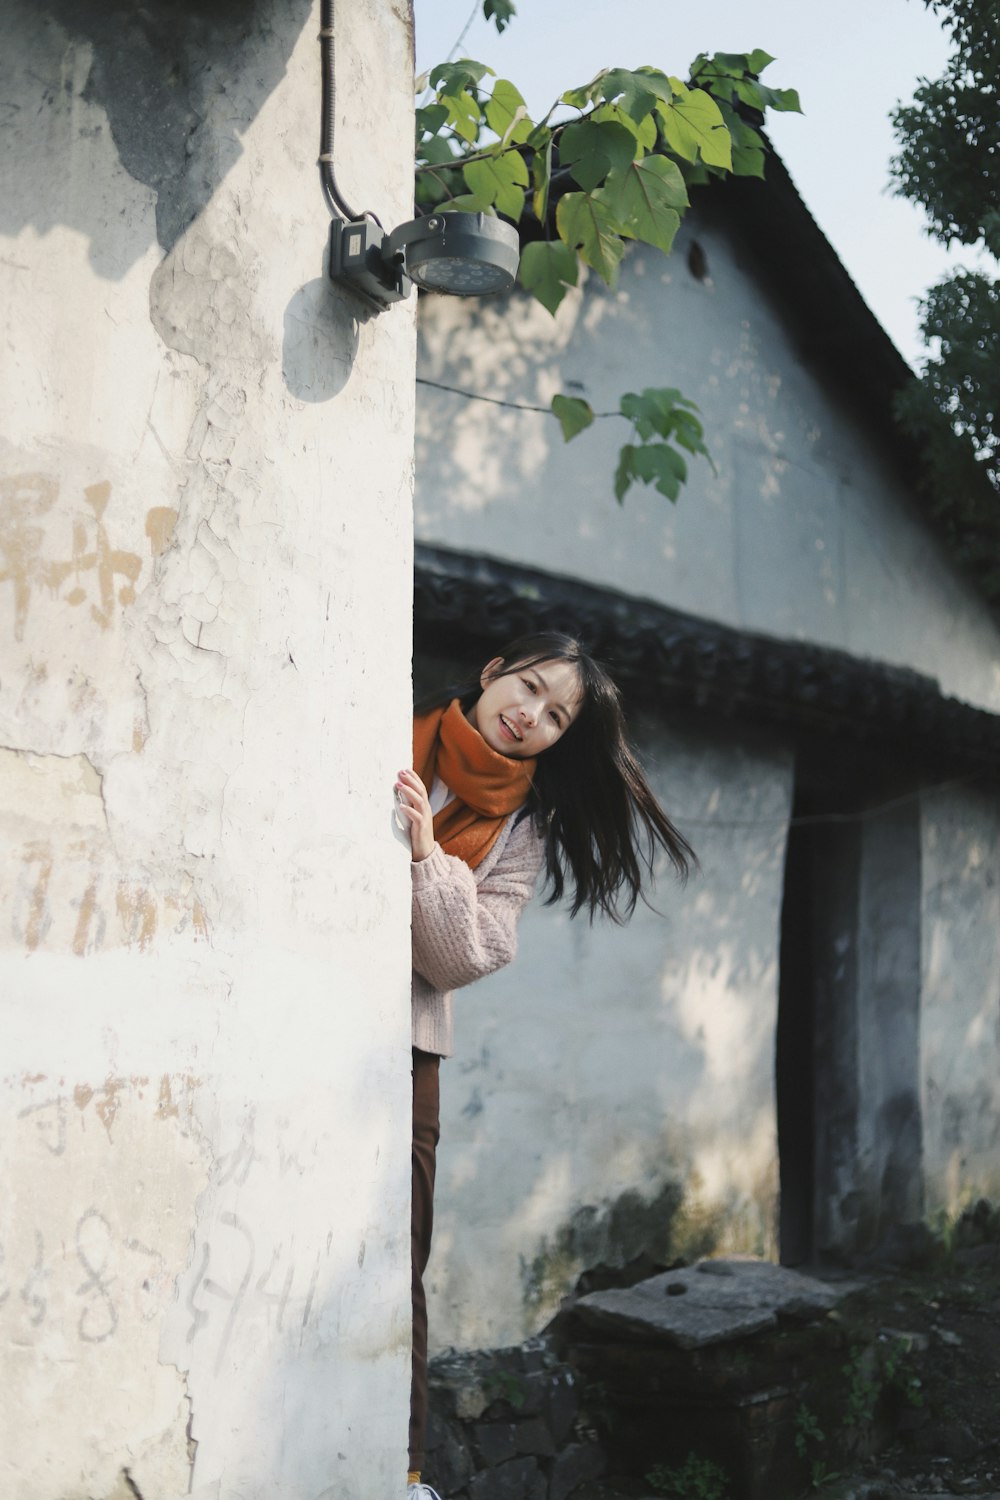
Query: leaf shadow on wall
{"points": [[320, 341], [178, 84]]}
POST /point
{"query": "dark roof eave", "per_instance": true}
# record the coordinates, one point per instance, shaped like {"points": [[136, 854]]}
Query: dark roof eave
{"points": [[691, 662]]}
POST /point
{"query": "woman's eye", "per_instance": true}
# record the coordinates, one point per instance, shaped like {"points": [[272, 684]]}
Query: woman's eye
{"points": [[556, 720], [531, 686]]}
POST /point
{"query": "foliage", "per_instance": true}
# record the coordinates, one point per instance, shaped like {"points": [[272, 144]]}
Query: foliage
{"points": [[695, 1479], [655, 413], [948, 134], [499, 12], [948, 163], [610, 162], [868, 1376], [618, 153], [809, 1437]]}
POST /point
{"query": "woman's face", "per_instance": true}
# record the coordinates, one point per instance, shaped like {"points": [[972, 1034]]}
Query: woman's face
{"points": [[522, 713]]}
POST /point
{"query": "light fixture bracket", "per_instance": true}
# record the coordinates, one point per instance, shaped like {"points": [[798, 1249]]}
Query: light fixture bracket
{"points": [[464, 254], [358, 259]]}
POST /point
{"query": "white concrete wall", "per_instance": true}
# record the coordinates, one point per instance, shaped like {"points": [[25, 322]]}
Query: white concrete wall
{"points": [[612, 1092], [803, 534], [960, 1017], [205, 625]]}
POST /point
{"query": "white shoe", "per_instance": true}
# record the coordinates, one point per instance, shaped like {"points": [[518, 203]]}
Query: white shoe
{"points": [[421, 1492]]}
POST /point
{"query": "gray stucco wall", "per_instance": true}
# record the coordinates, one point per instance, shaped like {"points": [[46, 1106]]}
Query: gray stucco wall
{"points": [[960, 1020], [804, 532], [612, 1091]]}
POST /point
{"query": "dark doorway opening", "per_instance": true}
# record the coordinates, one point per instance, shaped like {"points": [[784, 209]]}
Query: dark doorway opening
{"points": [[794, 1066], [847, 1050]]}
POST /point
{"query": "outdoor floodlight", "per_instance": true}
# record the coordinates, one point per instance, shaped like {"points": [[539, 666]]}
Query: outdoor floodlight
{"points": [[469, 255], [466, 255]]}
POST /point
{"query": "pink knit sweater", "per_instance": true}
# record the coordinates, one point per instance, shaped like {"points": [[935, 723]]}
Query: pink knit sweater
{"points": [[465, 924]]}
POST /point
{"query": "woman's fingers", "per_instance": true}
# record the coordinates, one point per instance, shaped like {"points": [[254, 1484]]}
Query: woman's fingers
{"points": [[414, 805], [409, 786]]}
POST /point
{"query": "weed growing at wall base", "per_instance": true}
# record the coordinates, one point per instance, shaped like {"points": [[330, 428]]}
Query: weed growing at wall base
{"points": [[695, 1479]]}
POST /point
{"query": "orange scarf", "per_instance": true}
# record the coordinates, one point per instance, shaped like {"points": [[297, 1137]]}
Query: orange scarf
{"points": [[488, 786]]}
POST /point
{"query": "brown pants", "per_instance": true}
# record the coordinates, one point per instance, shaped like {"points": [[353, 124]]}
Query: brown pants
{"points": [[426, 1132]]}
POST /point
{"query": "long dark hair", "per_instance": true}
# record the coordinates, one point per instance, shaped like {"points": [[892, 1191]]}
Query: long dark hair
{"points": [[596, 811]]}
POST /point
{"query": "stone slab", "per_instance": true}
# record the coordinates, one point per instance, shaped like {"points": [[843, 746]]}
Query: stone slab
{"points": [[709, 1303]]}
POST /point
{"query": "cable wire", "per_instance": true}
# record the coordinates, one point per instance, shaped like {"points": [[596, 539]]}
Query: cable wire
{"points": [[335, 200], [813, 820], [547, 411]]}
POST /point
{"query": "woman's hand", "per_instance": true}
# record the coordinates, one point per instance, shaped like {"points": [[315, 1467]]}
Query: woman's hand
{"points": [[414, 808]]}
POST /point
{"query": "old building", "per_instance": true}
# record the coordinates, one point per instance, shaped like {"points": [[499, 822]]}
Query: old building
{"points": [[205, 583], [800, 1049]]}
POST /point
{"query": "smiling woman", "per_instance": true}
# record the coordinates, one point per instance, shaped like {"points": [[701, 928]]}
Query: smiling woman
{"points": [[527, 765]]}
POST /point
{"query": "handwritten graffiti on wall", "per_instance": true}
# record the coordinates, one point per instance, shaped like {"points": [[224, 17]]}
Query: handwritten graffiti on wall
{"points": [[91, 1276], [102, 1272], [89, 1249], [95, 571], [63, 899]]}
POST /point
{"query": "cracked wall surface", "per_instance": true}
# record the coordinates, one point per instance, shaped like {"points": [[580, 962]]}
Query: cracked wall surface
{"points": [[205, 561]]}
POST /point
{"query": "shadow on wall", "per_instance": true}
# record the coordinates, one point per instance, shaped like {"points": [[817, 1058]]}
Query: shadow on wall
{"points": [[320, 341], [178, 81], [601, 345]]}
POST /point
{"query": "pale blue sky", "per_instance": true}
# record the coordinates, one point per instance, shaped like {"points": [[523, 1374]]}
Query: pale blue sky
{"points": [[851, 62]]}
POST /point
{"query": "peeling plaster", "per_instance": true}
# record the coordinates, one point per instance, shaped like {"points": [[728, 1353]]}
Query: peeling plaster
{"points": [[66, 887]]}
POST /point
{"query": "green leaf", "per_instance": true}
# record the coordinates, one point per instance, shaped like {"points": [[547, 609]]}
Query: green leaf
{"points": [[749, 153], [573, 414], [548, 270], [693, 125], [657, 81], [438, 152], [452, 78], [723, 64], [666, 414], [689, 432], [623, 473], [498, 180], [787, 100], [758, 60], [506, 113], [463, 115], [587, 226], [652, 411], [759, 96], [748, 161], [636, 97], [644, 130], [430, 118], [500, 12], [655, 463], [591, 151], [646, 200], [588, 93], [462, 203], [541, 177]]}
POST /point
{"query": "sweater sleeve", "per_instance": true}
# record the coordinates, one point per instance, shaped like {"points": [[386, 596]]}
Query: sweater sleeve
{"points": [[463, 930]]}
